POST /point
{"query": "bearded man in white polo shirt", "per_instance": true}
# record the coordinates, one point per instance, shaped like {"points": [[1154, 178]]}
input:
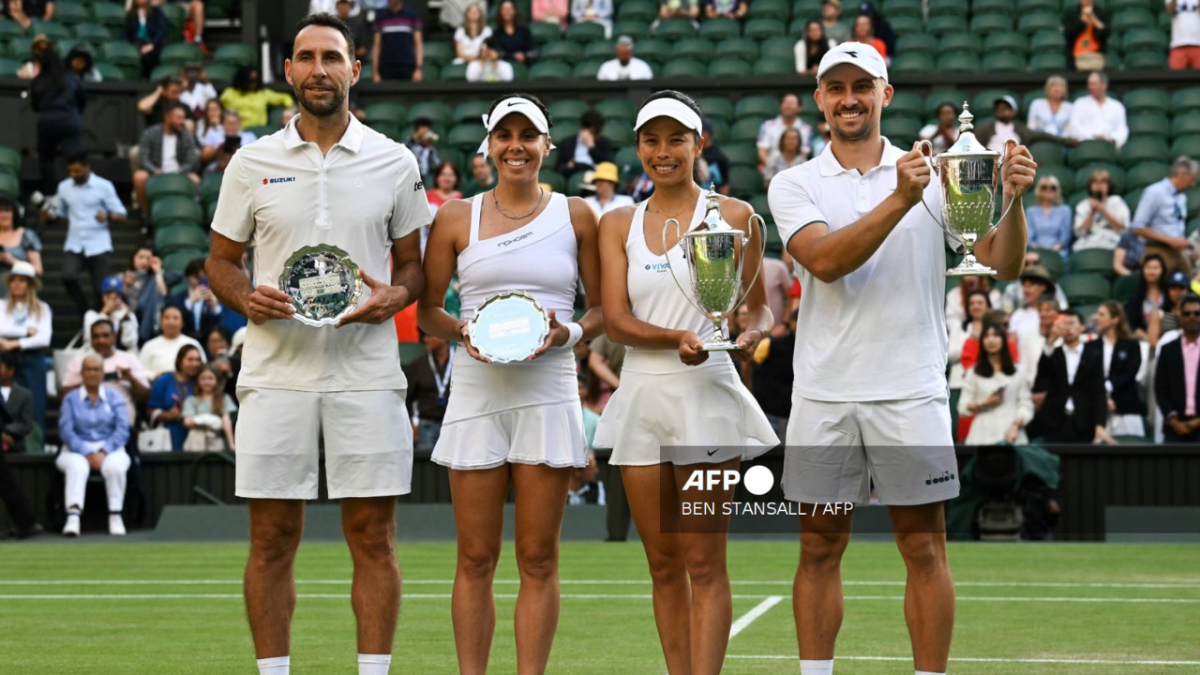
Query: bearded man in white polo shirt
{"points": [[323, 179], [870, 402]]}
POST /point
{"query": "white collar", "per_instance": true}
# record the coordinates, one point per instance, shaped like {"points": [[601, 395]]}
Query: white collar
{"points": [[351, 139], [83, 394], [829, 165]]}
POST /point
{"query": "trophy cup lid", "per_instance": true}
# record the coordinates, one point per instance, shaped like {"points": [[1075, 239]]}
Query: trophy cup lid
{"points": [[713, 221], [967, 144]]}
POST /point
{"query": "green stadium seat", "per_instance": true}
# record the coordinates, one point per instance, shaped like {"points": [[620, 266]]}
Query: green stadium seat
{"points": [[1185, 100], [634, 29], [471, 112], [906, 103], [10, 185], [762, 29], [120, 54], [1085, 288], [92, 32], [807, 8], [181, 53], [619, 132], [1093, 261], [10, 30], [10, 160], [70, 12], [1028, 6], [720, 29], [1193, 207], [745, 182], [221, 74], [993, 7], [779, 10], [730, 68], [766, 67], [1146, 100], [1186, 146], [904, 8], [1012, 42], [387, 112], [958, 63], [182, 236], [742, 154], [569, 52], [165, 70], [653, 50], [386, 128], [675, 29], [520, 71], [587, 69], [1149, 39], [761, 107], [1145, 60], [1185, 124], [554, 179], [1144, 149], [1149, 124], [176, 16], [1145, 174], [917, 43], [109, 14], [51, 29], [627, 162], [1093, 151], [599, 49], [637, 10], [947, 8], [697, 49], [588, 31], [716, 107], [550, 70], [946, 25], [1130, 19], [743, 49], [466, 137], [991, 23], [169, 184], [906, 25], [568, 108], [954, 97], [237, 54], [435, 111], [1004, 63], [1047, 62], [782, 48], [1124, 288], [912, 63], [1048, 42], [545, 33], [9, 67], [1051, 260], [1114, 6], [111, 73], [178, 261], [959, 43], [901, 131], [617, 108], [1116, 173], [1065, 176], [263, 130], [745, 130], [175, 210], [210, 187], [984, 102]]}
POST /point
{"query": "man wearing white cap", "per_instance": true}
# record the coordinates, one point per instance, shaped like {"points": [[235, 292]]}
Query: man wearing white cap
{"points": [[1006, 126], [870, 403], [626, 66]]}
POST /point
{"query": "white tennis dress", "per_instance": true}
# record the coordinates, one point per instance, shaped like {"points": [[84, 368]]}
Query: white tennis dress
{"points": [[662, 402], [526, 412]]}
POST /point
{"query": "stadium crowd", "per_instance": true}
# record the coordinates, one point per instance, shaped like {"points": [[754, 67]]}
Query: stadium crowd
{"points": [[1095, 343]]}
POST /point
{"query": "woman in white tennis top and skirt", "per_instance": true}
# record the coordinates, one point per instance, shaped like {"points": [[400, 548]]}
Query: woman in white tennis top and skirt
{"points": [[673, 393], [517, 423]]}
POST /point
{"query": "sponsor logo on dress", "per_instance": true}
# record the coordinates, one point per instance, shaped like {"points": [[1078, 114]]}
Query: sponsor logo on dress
{"points": [[272, 181], [944, 477], [515, 239], [658, 268], [419, 186]]}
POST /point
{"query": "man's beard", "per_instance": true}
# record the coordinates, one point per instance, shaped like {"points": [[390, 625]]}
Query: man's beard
{"points": [[863, 134], [321, 109]]}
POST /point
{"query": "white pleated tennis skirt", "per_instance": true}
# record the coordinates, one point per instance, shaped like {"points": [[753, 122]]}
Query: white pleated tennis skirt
{"points": [[705, 408], [523, 413]]}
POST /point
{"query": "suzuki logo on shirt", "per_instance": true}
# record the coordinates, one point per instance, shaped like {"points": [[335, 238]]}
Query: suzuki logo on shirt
{"points": [[658, 267], [272, 181], [515, 239]]}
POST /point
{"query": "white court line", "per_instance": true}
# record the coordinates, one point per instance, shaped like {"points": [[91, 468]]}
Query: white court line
{"points": [[748, 618], [586, 582], [1084, 662], [574, 596]]}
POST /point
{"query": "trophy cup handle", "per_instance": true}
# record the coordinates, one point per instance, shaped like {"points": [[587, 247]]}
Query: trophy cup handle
{"points": [[924, 146], [1008, 147], [670, 268], [762, 253]]}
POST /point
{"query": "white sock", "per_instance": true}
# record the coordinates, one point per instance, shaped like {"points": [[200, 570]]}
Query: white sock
{"points": [[374, 664], [277, 665], [816, 667], [926, 672]]}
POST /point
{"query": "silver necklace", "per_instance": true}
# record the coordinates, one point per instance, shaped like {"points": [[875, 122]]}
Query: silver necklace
{"points": [[496, 201]]}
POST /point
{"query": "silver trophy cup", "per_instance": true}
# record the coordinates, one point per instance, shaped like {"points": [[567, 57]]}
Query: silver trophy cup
{"points": [[716, 255], [969, 174]]}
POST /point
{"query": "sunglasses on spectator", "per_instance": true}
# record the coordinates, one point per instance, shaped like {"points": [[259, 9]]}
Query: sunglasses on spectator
{"points": [[1049, 188], [1190, 315]]}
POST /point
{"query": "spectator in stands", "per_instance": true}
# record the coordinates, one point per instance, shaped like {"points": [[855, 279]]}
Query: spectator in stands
{"points": [[481, 172], [1122, 359], [58, 99], [25, 12], [1032, 342], [469, 37], [94, 426], [115, 311], [717, 163], [995, 133], [1087, 34], [248, 98], [223, 358], [1096, 116], [1035, 282], [146, 285], [221, 144], [1178, 285], [594, 11], [821, 135], [26, 329], [146, 29], [589, 398], [488, 67], [158, 354], [1127, 257], [1051, 114], [121, 369], [788, 153], [399, 50], [880, 27], [678, 9], [604, 182], [1185, 34], [789, 118], [944, 132], [422, 142], [453, 14], [960, 357], [90, 203], [20, 509], [1102, 217], [956, 298], [429, 390], [1049, 219], [996, 394], [1176, 376], [81, 62], [1150, 297], [30, 68], [831, 15], [626, 66], [167, 95], [196, 92], [811, 48], [585, 488], [356, 21], [17, 243], [587, 148], [166, 148], [1015, 295], [20, 419], [171, 390], [550, 11], [289, 112], [445, 186], [1160, 219], [194, 14], [201, 309], [725, 9], [513, 39], [1069, 392], [864, 32], [206, 414]]}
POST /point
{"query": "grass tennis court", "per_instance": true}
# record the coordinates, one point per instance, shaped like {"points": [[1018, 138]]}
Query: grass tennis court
{"points": [[133, 608]]}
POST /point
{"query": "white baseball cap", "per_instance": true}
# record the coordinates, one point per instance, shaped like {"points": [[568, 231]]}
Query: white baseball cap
{"points": [[858, 54]]}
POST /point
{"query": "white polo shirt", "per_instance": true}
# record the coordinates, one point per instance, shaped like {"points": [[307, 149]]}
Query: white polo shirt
{"points": [[280, 194], [878, 333]]}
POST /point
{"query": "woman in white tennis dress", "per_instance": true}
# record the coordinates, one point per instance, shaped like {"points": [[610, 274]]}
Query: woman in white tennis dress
{"points": [[679, 408], [518, 423]]}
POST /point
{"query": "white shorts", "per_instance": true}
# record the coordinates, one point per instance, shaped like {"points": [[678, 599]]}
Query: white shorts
{"points": [[835, 450], [368, 443]]}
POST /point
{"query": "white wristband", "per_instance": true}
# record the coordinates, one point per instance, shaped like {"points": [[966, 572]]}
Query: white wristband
{"points": [[575, 332]]}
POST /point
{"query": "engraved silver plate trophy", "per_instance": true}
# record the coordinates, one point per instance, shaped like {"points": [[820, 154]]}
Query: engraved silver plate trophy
{"points": [[716, 254], [968, 172], [509, 326], [323, 282]]}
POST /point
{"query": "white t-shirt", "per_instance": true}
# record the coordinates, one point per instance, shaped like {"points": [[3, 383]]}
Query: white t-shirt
{"points": [[199, 96], [1185, 25], [280, 194], [170, 160], [158, 355], [878, 333], [499, 71], [615, 203], [636, 69], [471, 45]]}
